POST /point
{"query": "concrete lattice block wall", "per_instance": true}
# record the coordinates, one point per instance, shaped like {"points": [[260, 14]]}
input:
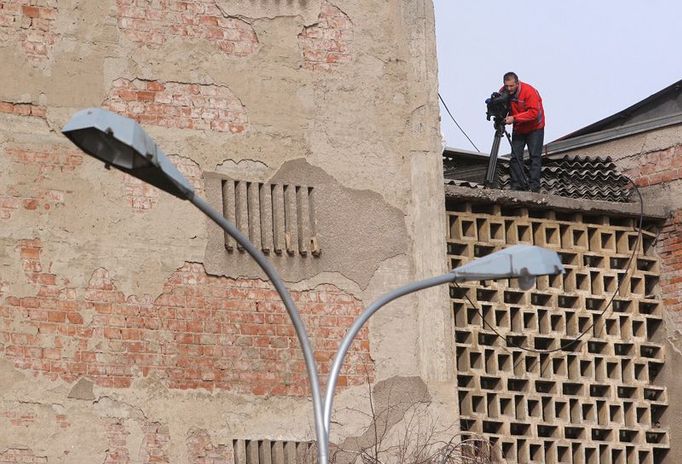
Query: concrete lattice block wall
{"points": [[535, 392]]}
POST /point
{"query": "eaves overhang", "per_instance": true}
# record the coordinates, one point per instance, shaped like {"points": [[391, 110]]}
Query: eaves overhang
{"points": [[582, 141]]}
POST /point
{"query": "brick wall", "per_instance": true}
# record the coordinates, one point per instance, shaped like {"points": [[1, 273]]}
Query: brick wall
{"points": [[20, 455], [201, 332], [657, 167], [153, 449], [141, 195], [328, 42], [178, 105], [669, 248], [39, 163], [118, 431], [31, 23], [46, 159], [150, 25], [201, 449], [23, 109]]}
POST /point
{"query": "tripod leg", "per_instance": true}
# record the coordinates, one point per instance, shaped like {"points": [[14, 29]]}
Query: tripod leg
{"points": [[491, 173]]}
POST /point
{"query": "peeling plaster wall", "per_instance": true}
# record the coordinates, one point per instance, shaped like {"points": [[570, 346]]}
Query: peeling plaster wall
{"points": [[93, 262]]}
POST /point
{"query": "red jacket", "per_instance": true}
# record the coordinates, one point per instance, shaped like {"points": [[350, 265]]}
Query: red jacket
{"points": [[526, 107]]}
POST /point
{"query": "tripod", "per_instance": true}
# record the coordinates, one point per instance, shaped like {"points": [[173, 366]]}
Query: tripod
{"points": [[491, 173]]}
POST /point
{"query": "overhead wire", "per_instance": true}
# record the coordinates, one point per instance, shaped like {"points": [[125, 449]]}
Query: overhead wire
{"points": [[565, 347], [456, 123]]}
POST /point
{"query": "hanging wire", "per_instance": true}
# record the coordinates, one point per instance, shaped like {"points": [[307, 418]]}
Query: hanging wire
{"points": [[609, 305], [456, 123]]}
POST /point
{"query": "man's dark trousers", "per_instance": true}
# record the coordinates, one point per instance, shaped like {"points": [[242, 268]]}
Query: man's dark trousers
{"points": [[534, 140]]}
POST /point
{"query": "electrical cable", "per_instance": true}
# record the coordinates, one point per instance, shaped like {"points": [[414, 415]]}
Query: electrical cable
{"points": [[456, 123], [565, 347]]}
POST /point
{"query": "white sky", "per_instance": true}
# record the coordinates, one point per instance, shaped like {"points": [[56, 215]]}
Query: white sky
{"points": [[587, 58]]}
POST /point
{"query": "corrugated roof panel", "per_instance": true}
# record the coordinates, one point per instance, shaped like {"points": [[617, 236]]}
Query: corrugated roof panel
{"points": [[575, 176]]}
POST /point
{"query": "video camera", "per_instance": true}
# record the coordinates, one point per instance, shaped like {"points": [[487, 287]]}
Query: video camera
{"points": [[498, 106]]}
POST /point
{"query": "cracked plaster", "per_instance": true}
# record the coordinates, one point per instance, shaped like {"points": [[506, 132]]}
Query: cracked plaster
{"points": [[365, 126], [351, 248]]}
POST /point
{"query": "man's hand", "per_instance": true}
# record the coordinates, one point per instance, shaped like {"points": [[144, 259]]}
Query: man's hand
{"points": [[509, 120]]}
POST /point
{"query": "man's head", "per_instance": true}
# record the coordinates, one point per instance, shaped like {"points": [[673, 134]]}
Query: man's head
{"points": [[511, 82]]}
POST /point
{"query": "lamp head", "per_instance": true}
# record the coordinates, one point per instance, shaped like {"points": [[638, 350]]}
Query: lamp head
{"points": [[524, 262], [121, 142]]}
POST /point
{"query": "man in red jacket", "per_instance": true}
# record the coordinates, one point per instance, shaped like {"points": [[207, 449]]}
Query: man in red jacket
{"points": [[528, 118]]}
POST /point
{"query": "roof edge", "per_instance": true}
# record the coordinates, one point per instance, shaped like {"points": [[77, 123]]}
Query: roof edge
{"points": [[590, 128], [544, 200], [562, 145]]}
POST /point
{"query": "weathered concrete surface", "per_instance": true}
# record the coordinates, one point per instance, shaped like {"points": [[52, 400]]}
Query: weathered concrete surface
{"points": [[345, 219], [674, 387], [250, 87], [653, 210], [652, 160]]}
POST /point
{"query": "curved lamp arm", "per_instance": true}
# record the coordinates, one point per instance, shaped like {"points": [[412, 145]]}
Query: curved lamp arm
{"points": [[357, 326], [524, 262]]}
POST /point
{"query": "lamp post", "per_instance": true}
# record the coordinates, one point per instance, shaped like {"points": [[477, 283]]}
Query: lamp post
{"points": [[120, 142], [524, 262]]}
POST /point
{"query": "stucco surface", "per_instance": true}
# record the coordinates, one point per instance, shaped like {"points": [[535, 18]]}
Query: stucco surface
{"points": [[356, 230], [364, 127]]}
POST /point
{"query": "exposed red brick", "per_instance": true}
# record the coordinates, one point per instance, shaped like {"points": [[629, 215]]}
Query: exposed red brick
{"points": [[31, 24], [38, 163], [41, 202], [142, 196], [156, 439], [328, 42], [657, 167], [201, 449], [203, 332], [669, 248], [21, 455], [178, 105], [117, 436], [19, 418], [150, 25], [154, 447], [192, 172], [23, 109], [62, 421], [46, 159]]}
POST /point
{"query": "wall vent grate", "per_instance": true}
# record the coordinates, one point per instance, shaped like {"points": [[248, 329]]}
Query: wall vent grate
{"points": [[278, 218], [273, 452]]}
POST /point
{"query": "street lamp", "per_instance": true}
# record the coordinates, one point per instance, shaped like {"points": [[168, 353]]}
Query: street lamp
{"points": [[524, 262], [120, 142]]}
